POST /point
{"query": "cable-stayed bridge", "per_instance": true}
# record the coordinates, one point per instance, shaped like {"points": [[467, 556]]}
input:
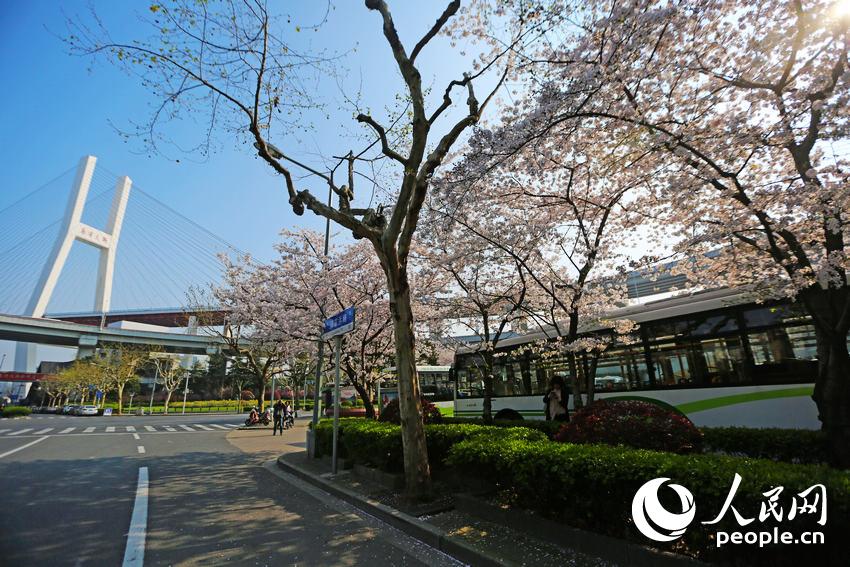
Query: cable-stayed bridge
{"points": [[89, 248]]}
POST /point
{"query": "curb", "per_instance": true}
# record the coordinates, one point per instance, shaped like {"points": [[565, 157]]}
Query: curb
{"points": [[410, 525]]}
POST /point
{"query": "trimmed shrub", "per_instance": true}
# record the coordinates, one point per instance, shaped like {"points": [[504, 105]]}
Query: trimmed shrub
{"points": [[592, 487], [788, 445], [16, 411], [392, 414], [549, 428], [379, 444], [635, 423]]}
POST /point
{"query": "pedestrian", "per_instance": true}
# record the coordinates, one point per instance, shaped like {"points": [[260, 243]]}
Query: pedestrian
{"points": [[278, 418], [556, 401], [287, 415]]}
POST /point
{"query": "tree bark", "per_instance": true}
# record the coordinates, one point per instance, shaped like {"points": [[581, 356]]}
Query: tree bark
{"points": [[120, 388], [417, 472], [365, 394], [487, 377], [167, 399]]}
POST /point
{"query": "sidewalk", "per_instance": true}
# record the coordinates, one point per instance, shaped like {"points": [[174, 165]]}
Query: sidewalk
{"points": [[441, 524]]}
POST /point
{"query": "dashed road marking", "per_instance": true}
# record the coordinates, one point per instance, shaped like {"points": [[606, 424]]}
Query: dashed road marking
{"points": [[204, 427], [150, 428], [67, 430], [43, 431], [136, 436], [134, 553], [20, 431], [130, 428], [88, 430], [218, 426], [30, 444], [140, 449], [112, 429], [169, 428], [187, 428]]}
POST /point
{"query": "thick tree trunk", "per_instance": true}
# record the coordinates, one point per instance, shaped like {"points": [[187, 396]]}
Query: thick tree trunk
{"points": [[578, 402], [366, 395], [167, 399], [487, 377], [417, 473], [830, 308], [832, 393]]}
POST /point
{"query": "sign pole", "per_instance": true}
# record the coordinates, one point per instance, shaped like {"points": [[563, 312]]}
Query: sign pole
{"points": [[338, 347]]}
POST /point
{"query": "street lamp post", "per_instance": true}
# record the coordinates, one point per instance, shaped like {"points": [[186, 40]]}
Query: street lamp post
{"points": [[185, 393], [318, 382]]}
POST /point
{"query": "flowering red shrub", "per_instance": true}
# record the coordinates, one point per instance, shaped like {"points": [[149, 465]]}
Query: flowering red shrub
{"points": [[391, 412], [634, 423]]}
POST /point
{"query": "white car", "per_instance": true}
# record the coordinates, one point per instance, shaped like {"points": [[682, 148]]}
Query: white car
{"points": [[87, 410]]}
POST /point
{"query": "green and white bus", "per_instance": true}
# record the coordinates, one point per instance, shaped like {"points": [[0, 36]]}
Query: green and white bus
{"points": [[715, 356]]}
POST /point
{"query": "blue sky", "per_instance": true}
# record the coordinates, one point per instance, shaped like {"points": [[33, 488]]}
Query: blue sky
{"points": [[58, 107]]}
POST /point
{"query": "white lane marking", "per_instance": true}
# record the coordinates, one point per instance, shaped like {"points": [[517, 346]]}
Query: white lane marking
{"points": [[2, 430], [112, 429], [136, 436], [130, 428], [134, 553], [232, 424], [43, 431], [169, 428], [187, 428], [140, 449], [150, 428], [219, 426], [67, 430], [204, 427], [88, 430], [19, 431], [30, 444]]}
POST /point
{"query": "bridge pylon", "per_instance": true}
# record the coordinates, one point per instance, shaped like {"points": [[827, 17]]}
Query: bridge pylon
{"points": [[74, 230]]}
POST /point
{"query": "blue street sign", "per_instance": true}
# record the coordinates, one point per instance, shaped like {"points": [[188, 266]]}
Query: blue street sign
{"points": [[339, 324]]}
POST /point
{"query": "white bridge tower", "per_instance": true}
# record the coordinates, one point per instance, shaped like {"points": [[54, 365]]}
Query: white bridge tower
{"points": [[75, 230]]}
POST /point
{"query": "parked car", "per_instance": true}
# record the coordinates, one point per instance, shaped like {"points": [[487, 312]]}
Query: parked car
{"points": [[75, 410], [51, 409], [67, 409], [87, 410]]}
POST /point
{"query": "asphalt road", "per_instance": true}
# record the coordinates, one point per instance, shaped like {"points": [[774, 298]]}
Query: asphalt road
{"points": [[68, 499]]}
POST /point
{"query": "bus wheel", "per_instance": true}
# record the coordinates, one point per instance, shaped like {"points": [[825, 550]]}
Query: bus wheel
{"points": [[508, 414]]}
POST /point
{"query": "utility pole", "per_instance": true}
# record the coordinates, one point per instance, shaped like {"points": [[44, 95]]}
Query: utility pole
{"points": [[317, 386], [155, 378]]}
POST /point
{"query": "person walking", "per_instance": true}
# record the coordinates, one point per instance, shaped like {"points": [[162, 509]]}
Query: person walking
{"points": [[278, 417], [556, 401]]}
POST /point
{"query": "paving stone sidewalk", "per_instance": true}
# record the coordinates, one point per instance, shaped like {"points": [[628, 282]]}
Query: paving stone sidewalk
{"points": [[473, 540]]}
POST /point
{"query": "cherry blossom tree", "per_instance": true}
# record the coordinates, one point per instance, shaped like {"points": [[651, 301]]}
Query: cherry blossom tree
{"points": [[231, 67], [743, 106]]}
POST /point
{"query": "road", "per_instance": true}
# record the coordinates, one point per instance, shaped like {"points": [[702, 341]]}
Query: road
{"points": [[70, 487]]}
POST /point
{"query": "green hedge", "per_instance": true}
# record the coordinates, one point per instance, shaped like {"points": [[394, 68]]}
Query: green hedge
{"points": [[549, 428], [16, 411], [592, 486], [379, 444], [788, 445]]}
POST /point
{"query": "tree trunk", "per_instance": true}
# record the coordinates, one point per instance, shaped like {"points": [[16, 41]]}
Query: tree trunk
{"points": [[120, 399], [832, 393], [167, 399], [366, 395], [417, 473], [578, 402], [487, 377]]}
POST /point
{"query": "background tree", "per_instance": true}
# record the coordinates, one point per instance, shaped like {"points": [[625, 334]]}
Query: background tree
{"points": [[201, 59], [121, 365], [171, 375]]}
